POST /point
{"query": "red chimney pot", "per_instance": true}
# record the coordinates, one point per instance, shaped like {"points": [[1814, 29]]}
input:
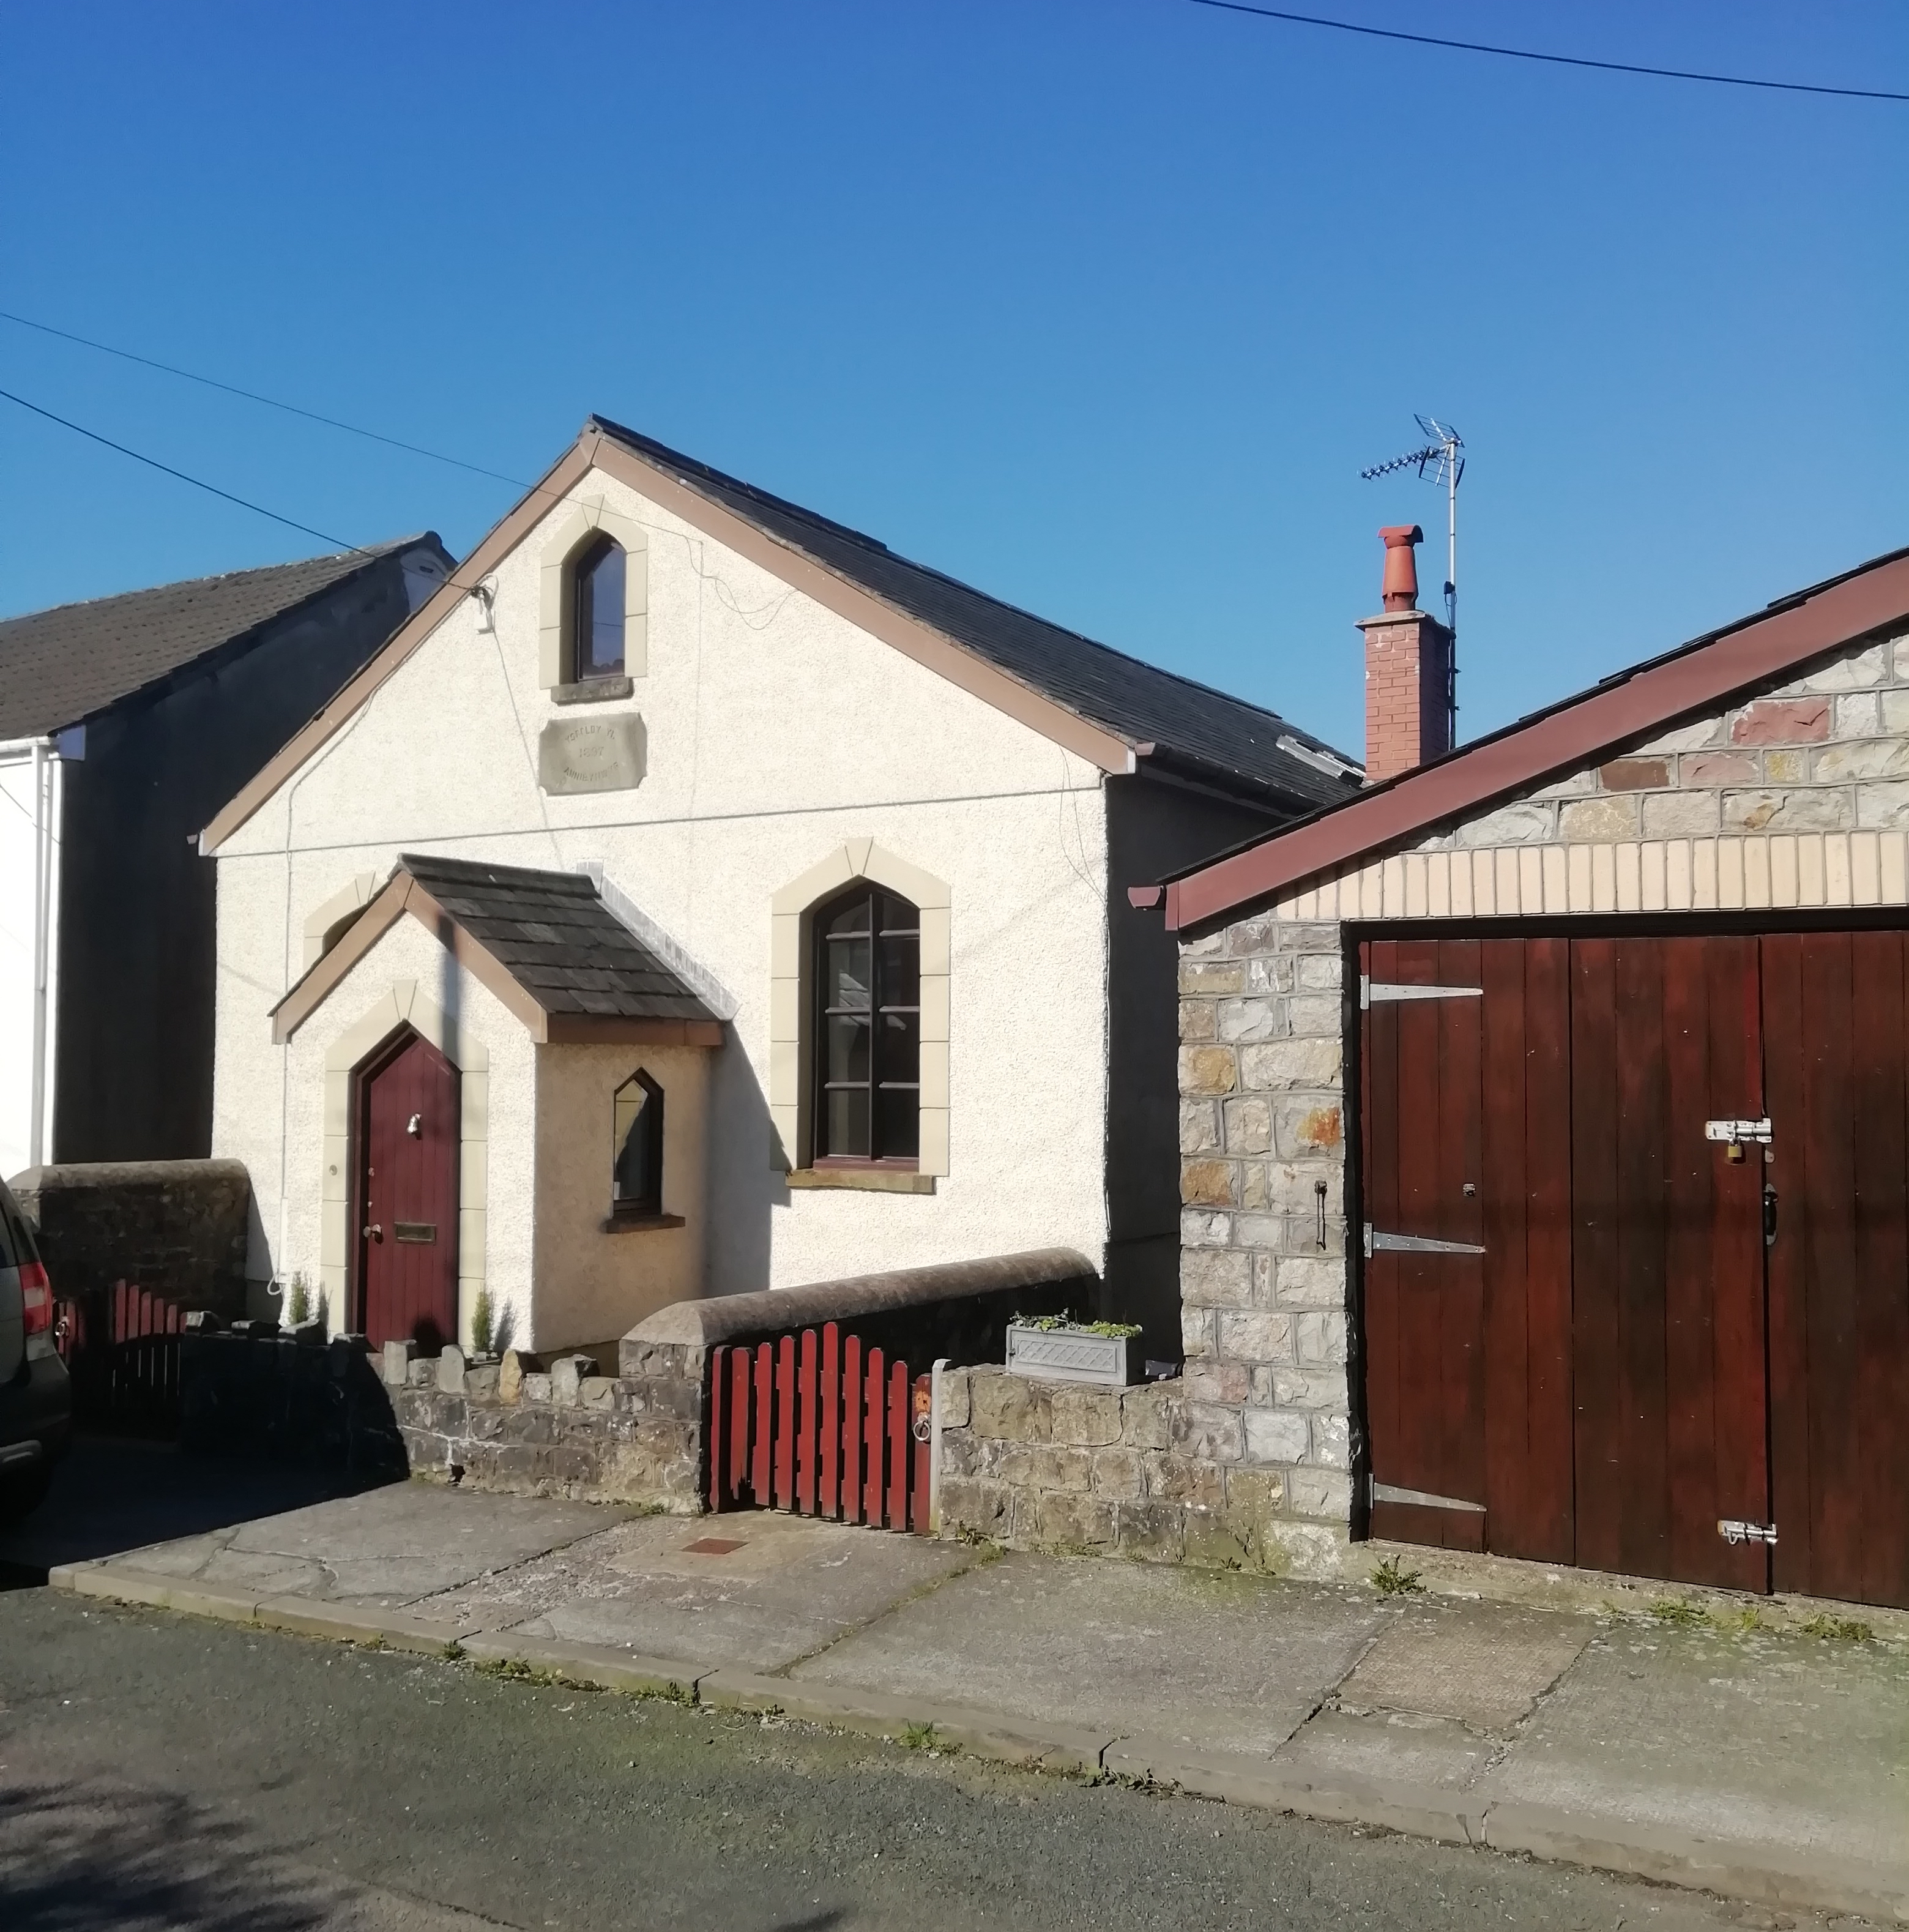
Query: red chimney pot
{"points": [[1401, 584]]}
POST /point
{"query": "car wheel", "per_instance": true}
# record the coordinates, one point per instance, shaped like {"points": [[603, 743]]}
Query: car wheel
{"points": [[21, 1495]]}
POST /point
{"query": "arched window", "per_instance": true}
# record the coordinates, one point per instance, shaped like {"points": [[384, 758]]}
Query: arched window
{"points": [[596, 607], [636, 1148], [868, 1053]]}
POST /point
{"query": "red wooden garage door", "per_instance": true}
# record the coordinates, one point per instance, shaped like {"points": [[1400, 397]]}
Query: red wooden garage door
{"points": [[1579, 1345]]}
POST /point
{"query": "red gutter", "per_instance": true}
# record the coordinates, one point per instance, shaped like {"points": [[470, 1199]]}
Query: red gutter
{"points": [[1754, 653]]}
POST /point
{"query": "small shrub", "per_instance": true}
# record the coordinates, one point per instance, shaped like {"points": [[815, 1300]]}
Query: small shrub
{"points": [[1840, 1630], [1391, 1579], [297, 1301], [1682, 1611], [482, 1334]]}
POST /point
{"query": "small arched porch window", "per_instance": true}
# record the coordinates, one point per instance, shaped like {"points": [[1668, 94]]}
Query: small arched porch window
{"points": [[597, 606], [636, 1148]]}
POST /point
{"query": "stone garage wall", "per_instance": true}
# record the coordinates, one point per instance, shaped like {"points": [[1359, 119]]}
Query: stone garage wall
{"points": [[1792, 798]]}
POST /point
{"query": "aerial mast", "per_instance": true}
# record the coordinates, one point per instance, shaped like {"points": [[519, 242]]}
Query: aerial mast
{"points": [[1439, 460]]}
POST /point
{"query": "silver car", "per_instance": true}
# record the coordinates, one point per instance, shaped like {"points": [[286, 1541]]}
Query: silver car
{"points": [[36, 1398]]}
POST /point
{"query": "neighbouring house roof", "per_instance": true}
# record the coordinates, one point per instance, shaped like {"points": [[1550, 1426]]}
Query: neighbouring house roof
{"points": [[1756, 651], [1110, 709], [1137, 702], [61, 666], [544, 943]]}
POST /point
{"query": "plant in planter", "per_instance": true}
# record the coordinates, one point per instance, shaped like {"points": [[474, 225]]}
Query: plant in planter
{"points": [[1056, 1348]]}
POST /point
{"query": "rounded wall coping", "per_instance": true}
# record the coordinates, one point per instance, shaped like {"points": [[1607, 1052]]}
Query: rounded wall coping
{"points": [[79, 1175], [705, 1324]]}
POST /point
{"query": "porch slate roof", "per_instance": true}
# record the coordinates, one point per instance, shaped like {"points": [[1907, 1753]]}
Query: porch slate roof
{"points": [[554, 935]]}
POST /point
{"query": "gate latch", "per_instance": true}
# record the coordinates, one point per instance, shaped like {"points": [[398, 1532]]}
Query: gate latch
{"points": [[1737, 1132], [1733, 1532]]}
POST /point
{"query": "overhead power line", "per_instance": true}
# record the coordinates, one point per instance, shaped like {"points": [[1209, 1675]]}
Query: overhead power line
{"points": [[197, 482], [269, 402], [1550, 60]]}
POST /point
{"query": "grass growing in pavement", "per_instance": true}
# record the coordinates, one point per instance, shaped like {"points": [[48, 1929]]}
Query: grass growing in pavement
{"points": [[1391, 1579], [1844, 1629], [1683, 1612]]}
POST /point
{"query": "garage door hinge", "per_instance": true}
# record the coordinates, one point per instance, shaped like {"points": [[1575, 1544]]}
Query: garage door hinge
{"points": [[1377, 992], [1390, 1492], [1414, 1244], [1733, 1532]]}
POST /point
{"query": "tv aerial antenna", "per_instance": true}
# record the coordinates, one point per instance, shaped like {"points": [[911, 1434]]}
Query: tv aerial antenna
{"points": [[1439, 460]]}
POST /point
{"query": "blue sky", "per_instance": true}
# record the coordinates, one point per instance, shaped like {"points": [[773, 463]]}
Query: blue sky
{"points": [[1099, 304]]}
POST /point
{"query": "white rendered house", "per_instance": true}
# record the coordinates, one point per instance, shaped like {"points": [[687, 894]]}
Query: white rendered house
{"points": [[696, 897]]}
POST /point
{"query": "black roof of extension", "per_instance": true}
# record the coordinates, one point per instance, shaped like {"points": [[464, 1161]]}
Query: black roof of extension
{"points": [[554, 935], [1190, 723], [60, 666]]}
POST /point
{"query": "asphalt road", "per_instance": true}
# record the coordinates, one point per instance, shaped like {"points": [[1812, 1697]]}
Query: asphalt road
{"points": [[157, 1771]]}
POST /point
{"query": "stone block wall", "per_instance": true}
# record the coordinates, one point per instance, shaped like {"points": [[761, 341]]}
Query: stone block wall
{"points": [[1137, 1472], [1262, 1273], [177, 1228], [563, 1431], [515, 1426]]}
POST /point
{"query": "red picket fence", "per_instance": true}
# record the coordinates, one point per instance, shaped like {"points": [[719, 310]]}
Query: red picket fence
{"points": [[818, 1425], [123, 1354]]}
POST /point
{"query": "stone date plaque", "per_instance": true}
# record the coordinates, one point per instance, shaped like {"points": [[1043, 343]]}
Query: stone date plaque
{"points": [[591, 754]]}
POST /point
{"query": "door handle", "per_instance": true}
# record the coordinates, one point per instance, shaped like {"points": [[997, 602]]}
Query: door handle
{"points": [[375, 1232], [1769, 1215]]}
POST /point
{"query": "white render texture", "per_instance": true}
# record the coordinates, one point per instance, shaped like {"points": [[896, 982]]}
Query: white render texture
{"points": [[778, 732]]}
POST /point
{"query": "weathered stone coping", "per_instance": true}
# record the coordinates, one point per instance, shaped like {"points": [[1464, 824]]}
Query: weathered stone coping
{"points": [[729, 1318], [960, 1309]]}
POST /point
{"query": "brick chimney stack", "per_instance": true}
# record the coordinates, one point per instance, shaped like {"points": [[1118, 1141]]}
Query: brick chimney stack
{"points": [[1408, 669]]}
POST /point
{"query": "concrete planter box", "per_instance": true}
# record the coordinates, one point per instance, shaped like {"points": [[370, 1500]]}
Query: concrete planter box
{"points": [[1069, 1355]]}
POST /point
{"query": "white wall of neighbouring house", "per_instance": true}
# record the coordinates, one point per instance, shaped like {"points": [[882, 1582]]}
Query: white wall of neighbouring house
{"points": [[17, 952], [778, 733]]}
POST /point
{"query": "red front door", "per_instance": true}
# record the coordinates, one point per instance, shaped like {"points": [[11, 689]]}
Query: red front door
{"points": [[407, 1195]]}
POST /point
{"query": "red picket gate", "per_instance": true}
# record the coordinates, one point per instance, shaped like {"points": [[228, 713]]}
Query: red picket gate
{"points": [[820, 1426], [122, 1351]]}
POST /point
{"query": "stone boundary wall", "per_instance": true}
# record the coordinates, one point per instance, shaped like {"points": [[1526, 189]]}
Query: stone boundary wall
{"points": [[564, 1430], [515, 1426], [177, 1228], [1063, 1466]]}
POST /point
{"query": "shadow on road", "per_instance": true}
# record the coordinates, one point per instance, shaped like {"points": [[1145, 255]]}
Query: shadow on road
{"points": [[112, 1494], [79, 1856]]}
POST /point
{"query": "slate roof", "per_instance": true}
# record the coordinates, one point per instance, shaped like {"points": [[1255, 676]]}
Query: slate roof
{"points": [[1135, 701], [60, 666], [557, 939]]}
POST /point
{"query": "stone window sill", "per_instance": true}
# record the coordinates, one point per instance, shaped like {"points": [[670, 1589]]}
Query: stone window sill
{"points": [[641, 1224], [867, 1179], [592, 691]]}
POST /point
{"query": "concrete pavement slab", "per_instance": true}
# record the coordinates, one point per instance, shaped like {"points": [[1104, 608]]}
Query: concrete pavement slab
{"points": [[390, 1546], [1744, 1739], [1485, 1664], [756, 1590], [1437, 1752], [1202, 1658]]}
